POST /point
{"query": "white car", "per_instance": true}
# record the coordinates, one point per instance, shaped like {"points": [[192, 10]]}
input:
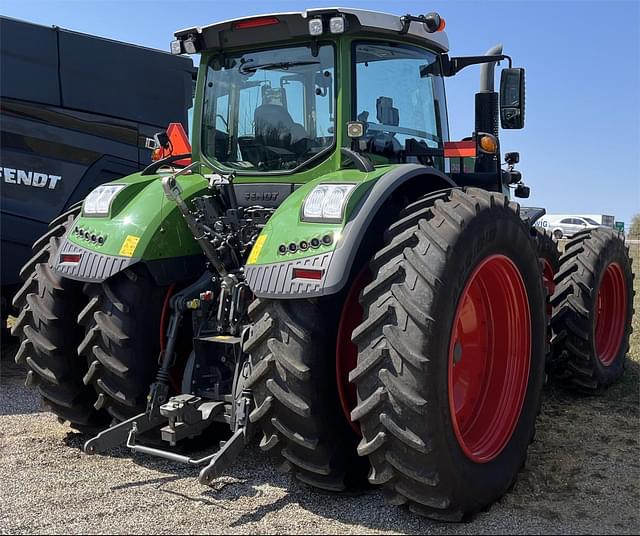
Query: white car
{"points": [[570, 225]]}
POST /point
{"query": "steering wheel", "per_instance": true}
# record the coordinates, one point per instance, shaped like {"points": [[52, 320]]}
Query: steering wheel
{"points": [[226, 125]]}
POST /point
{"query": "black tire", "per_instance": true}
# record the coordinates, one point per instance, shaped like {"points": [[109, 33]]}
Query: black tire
{"points": [[403, 353], [558, 234], [586, 259], [547, 248], [549, 255], [48, 306], [294, 387], [122, 343]]}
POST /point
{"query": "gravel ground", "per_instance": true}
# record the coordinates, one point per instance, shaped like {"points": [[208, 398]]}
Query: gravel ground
{"points": [[583, 476]]}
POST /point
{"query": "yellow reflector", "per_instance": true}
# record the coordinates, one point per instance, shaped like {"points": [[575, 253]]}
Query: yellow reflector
{"points": [[129, 246], [255, 250]]}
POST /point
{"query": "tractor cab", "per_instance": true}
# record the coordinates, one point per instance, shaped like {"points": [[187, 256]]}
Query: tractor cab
{"points": [[289, 97]]}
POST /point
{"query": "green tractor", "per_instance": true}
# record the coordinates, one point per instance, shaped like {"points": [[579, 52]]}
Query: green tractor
{"points": [[329, 274]]}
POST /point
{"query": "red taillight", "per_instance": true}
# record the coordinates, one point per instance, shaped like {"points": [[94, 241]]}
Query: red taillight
{"points": [[255, 23], [306, 273], [70, 257]]}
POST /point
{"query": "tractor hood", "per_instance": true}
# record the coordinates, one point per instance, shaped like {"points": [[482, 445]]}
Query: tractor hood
{"points": [[277, 27]]}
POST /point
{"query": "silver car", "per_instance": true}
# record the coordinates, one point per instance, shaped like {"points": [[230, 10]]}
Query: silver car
{"points": [[567, 227]]}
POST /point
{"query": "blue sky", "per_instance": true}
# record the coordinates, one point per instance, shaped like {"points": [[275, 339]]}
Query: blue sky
{"points": [[580, 149]]}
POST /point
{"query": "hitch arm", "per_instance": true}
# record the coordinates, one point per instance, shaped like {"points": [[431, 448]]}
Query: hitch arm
{"points": [[116, 435], [224, 458], [131, 443]]}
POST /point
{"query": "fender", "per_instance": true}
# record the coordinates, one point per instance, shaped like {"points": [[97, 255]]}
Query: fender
{"points": [[530, 215], [142, 227], [275, 279]]}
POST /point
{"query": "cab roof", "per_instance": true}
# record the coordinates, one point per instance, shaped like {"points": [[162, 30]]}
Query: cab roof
{"points": [[290, 25]]}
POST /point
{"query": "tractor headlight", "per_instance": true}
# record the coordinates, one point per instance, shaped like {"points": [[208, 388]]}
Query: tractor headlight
{"points": [[326, 202], [98, 202]]}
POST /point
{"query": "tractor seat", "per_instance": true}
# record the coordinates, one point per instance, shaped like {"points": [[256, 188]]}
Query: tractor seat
{"points": [[275, 126]]}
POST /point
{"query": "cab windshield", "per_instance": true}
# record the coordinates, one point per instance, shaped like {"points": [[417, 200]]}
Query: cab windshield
{"points": [[271, 110]]}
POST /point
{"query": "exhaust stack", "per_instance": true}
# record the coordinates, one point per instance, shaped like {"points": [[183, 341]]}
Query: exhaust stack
{"points": [[487, 108], [487, 70]]}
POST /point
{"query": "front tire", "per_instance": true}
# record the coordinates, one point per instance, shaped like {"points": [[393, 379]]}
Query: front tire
{"points": [[448, 256]]}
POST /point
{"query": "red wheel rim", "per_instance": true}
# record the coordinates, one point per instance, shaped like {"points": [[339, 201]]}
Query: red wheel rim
{"points": [[346, 351], [611, 314], [547, 279], [548, 275], [489, 358]]}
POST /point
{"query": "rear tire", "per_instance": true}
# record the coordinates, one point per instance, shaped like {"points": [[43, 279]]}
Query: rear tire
{"points": [[122, 343], [549, 256], [293, 379], [595, 282], [48, 306], [418, 448]]}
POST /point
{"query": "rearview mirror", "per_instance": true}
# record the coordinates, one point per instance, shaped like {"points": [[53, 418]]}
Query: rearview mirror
{"points": [[512, 98]]}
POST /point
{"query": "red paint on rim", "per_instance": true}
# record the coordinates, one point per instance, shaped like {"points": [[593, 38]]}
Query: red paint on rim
{"points": [[346, 351], [548, 275], [489, 358], [611, 314], [548, 282]]}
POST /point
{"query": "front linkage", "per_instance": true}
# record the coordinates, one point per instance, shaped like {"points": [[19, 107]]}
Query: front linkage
{"points": [[218, 301]]}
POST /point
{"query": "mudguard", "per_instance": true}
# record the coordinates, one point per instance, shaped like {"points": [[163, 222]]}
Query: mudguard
{"points": [[143, 226], [530, 215], [270, 273]]}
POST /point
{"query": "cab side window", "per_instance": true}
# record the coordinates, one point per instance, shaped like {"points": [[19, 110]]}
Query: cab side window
{"points": [[399, 116]]}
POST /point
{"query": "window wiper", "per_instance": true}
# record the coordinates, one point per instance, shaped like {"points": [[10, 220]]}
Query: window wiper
{"points": [[244, 68]]}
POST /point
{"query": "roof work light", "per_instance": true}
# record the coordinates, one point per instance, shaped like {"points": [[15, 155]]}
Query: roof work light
{"points": [[176, 47], [315, 27], [190, 45], [337, 25]]}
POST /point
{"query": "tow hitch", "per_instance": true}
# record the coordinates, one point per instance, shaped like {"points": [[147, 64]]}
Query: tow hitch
{"points": [[188, 415], [183, 416]]}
